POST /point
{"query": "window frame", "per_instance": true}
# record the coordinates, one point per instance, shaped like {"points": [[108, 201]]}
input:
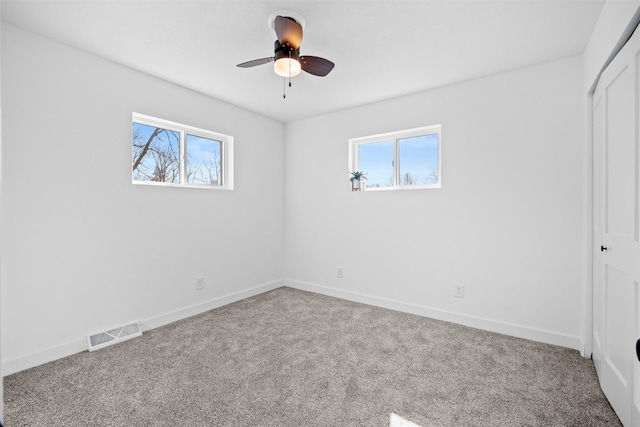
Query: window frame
{"points": [[226, 152], [395, 137]]}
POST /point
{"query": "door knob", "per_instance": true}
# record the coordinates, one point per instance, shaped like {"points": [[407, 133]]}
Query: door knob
{"points": [[603, 248]]}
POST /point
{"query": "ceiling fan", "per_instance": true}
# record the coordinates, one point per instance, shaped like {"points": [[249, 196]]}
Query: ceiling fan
{"points": [[287, 59]]}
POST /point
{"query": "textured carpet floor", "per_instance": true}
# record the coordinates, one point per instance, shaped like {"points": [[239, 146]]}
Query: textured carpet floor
{"points": [[293, 358]]}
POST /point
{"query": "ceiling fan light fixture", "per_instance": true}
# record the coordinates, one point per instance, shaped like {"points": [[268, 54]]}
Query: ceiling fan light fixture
{"points": [[286, 58], [287, 67]]}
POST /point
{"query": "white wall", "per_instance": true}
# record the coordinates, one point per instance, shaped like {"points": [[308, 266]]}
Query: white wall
{"points": [[83, 248], [506, 223]]}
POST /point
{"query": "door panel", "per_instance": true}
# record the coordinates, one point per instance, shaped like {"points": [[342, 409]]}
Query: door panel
{"points": [[619, 155], [634, 46], [619, 295], [635, 405], [598, 289], [616, 224]]}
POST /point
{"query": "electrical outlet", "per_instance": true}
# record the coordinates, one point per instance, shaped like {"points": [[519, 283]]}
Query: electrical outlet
{"points": [[458, 290], [339, 272], [199, 283]]}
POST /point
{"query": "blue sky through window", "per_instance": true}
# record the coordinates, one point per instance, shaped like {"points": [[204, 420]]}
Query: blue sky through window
{"points": [[156, 156], [203, 160], [419, 160], [159, 159], [417, 163], [376, 159]]}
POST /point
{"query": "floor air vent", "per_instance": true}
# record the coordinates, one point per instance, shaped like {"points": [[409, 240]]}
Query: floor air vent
{"points": [[104, 339]]}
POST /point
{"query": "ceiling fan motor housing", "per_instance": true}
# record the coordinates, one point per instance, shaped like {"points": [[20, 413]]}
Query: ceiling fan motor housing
{"points": [[285, 51], [286, 59]]}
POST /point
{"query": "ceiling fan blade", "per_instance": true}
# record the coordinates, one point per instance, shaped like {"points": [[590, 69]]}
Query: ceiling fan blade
{"points": [[316, 65], [255, 62], [288, 31]]}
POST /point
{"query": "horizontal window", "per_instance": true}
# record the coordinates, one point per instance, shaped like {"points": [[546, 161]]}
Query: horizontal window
{"points": [[173, 154], [398, 160]]}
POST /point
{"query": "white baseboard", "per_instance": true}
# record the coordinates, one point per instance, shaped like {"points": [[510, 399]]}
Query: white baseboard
{"points": [[34, 359], [519, 331], [183, 313], [584, 351], [29, 361]]}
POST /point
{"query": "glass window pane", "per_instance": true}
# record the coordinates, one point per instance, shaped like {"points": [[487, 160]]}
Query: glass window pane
{"points": [[156, 154], [203, 161], [376, 160], [419, 160]]}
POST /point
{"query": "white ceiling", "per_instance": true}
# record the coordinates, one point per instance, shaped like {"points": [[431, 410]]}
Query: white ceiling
{"points": [[382, 49]]}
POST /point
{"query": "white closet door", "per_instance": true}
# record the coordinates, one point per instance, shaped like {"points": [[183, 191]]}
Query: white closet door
{"points": [[616, 232]]}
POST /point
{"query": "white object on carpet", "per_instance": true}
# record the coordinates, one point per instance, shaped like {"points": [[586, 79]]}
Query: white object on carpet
{"points": [[396, 420]]}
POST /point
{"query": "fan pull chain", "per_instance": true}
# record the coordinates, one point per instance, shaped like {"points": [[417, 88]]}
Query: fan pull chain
{"points": [[284, 79], [289, 68]]}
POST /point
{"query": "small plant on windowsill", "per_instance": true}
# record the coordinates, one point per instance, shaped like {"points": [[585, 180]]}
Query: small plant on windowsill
{"points": [[357, 180]]}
